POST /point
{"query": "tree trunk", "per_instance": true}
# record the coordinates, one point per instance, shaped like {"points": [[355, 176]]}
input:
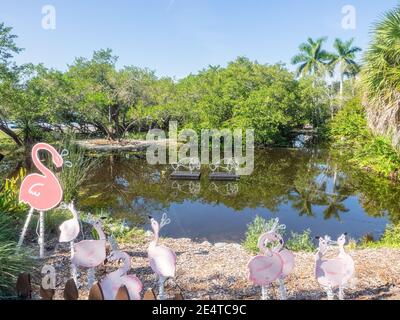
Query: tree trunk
{"points": [[341, 86], [11, 134]]}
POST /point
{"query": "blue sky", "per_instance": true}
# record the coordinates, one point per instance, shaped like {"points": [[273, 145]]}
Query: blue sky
{"points": [[178, 37]]}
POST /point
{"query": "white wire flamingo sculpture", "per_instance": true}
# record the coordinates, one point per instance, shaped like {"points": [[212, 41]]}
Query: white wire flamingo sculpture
{"points": [[90, 253], [273, 263], [336, 272], [69, 231], [162, 259], [110, 285]]}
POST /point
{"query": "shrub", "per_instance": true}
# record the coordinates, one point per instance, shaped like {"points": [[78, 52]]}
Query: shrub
{"points": [[9, 202], [301, 242], [254, 231], [390, 239], [296, 242]]}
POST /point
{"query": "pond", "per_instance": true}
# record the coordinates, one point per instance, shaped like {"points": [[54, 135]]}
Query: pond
{"points": [[305, 188]]}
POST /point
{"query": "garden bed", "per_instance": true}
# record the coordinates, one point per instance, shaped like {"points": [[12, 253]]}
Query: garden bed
{"points": [[218, 271]]}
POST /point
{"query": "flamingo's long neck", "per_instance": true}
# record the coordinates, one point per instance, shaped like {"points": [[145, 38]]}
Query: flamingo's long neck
{"points": [[342, 253], [36, 160], [319, 255], [154, 243], [127, 265], [100, 232]]}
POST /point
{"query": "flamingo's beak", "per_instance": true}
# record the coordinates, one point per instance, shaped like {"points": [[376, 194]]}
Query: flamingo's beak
{"points": [[150, 217]]}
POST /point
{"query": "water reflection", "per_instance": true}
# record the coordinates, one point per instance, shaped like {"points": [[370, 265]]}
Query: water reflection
{"points": [[304, 188]]}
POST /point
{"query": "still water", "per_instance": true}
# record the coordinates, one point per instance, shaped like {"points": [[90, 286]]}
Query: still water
{"points": [[306, 189]]}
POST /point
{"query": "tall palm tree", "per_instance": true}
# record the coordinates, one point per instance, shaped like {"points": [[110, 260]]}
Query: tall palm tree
{"points": [[344, 58], [312, 59], [381, 74]]}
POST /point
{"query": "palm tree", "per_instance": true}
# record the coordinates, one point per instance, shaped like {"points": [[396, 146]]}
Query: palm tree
{"points": [[312, 59], [345, 58]]}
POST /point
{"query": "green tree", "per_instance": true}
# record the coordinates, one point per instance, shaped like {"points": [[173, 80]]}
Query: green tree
{"points": [[104, 97], [312, 59], [8, 75], [344, 59]]}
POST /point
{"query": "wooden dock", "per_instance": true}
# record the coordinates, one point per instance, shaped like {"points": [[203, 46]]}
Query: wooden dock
{"points": [[185, 175], [224, 176]]}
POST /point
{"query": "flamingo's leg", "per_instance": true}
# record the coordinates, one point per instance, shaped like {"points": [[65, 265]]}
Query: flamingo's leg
{"points": [[341, 293], [25, 228], [74, 271], [161, 293], [264, 293], [329, 293], [90, 276], [41, 235], [282, 289]]}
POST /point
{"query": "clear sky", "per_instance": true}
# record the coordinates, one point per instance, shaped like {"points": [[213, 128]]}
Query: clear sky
{"points": [[178, 37]]}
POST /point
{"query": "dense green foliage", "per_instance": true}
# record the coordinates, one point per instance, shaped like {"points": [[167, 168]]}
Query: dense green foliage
{"points": [[381, 75], [368, 151], [114, 102]]}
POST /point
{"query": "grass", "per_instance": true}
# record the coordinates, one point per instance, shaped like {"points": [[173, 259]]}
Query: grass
{"points": [[124, 232], [72, 178], [296, 242], [11, 262], [7, 145]]}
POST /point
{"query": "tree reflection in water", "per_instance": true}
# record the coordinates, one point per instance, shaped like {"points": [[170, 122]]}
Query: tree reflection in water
{"points": [[313, 182]]}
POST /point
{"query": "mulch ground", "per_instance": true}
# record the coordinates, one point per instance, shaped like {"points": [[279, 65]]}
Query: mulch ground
{"points": [[218, 271]]}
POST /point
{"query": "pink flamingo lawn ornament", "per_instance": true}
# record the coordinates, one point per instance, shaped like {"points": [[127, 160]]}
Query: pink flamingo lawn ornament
{"points": [[162, 259], [90, 253], [274, 263], [42, 192], [112, 282], [69, 231], [333, 273]]}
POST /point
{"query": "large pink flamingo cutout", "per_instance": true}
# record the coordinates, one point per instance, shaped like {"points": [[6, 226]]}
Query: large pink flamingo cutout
{"points": [[333, 273], [42, 192], [90, 253], [112, 282], [162, 259], [273, 263]]}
